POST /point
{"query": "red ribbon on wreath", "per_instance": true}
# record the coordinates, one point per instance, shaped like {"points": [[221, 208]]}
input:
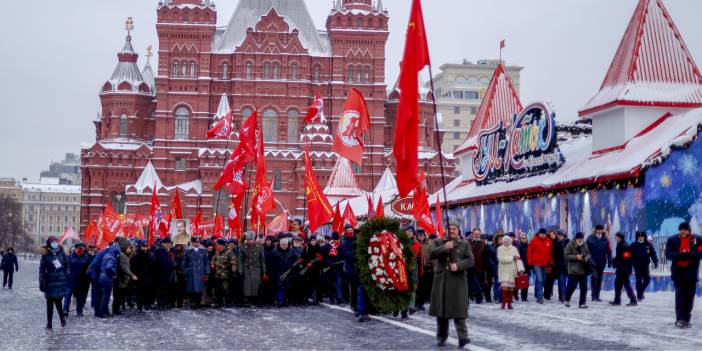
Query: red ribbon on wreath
{"points": [[389, 243]]}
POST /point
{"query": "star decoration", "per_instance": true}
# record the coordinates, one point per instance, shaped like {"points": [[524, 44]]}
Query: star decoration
{"points": [[666, 181]]}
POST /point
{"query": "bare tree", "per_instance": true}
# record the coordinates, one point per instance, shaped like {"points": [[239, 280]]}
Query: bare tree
{"points": [[12, 231]]}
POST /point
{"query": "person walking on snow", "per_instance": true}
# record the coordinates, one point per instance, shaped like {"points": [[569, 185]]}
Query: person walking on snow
{"points": [[577, 254], [622, 262], [540, 258], [684, 252], [510, 264], [54, 271], [598, 243], [8, 266], [643, 254]]}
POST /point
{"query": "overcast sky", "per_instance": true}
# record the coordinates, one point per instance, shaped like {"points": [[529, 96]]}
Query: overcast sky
{"points": [[57, 54]]}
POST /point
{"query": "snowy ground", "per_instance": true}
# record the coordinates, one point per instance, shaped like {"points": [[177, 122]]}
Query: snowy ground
{"points": [[528, 327]]}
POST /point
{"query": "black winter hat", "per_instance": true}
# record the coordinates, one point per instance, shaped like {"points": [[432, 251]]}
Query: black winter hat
{"points": [[542, 231], [335, 236], [167, 241], [620, 235], [195, 239], [221, 241], [640, 234], [684, 226], [579, 235]]}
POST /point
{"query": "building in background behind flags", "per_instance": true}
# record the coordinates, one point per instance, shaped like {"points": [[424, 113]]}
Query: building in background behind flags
{"points": [[154, 118]]}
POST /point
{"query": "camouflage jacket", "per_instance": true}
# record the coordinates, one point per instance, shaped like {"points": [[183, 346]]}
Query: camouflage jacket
{"points": [[224, 264]]}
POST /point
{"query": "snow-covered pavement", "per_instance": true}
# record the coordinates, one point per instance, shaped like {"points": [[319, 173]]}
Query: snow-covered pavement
{"points": [[528, 327]]}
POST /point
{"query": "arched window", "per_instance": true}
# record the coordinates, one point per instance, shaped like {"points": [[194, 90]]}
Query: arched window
{"points": [[248, 70], [293, 71], [277, 180], [266, 70], [270, 126], [175, 69], [182, 123], [184, 70], [367, 76], [276, 67], [317, 74], [192, 69], [246, 113], [349, 75], [123, 125], [292, 125], [225, 71], [359, 73]]}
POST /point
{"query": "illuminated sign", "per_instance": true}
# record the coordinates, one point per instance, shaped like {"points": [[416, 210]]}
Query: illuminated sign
{"points": [[527, 147]]}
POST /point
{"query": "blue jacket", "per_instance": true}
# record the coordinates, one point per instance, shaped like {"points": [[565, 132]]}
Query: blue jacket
{"points": [[684, 265], [9, 263], [79, 267], [109, 265], [53, 280], [644, 253], [195, 265], [600, 250], [94, 268]]}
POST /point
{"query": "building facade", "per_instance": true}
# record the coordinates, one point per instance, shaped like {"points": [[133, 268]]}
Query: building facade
{"points": [[10, 187], [460, 88], [67, 170], [48, 208], [271, 59]]}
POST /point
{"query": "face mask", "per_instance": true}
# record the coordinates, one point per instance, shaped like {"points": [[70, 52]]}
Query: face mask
{"points": [[54, 245]]}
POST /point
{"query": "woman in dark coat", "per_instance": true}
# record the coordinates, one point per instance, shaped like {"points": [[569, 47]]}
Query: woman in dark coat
{"points": [[53, 279]]}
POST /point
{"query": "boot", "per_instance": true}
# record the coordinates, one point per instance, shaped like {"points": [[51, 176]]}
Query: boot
{"points": [[503, 298], [510, 296]]}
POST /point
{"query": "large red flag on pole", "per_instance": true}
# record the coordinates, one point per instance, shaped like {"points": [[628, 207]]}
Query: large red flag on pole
{"points": [[158, 220], [415, 58], [349, 216], [222, 128], [234, 218], [348, 137], [319, 210], [337, 220], [176, 210], [420, 209], [380, 209], [262, 199]]}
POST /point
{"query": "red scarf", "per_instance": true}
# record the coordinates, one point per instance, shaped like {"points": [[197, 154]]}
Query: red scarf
{"points": [[685, 244]]}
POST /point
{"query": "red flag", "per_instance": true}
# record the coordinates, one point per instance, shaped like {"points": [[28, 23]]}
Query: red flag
{"points": [[234, 218], [195, 223], [279, 224], [316, 109], [218, 226], [247, 136], [69, 233], [439, 219], [262, 200], [176, 210], [232, 177], [319, 210], [348, 137], [380, 210], [420, 209], [415, 58], [222, 128], [90, 232], [349, 216], [158, 220], [337, 221], [110, 224], [371, 212], [502, 44]]}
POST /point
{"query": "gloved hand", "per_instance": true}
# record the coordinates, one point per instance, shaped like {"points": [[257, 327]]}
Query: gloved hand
{"points": [[42, 286], [205, 278], [548, 270], [264, 278], [300, 260]]}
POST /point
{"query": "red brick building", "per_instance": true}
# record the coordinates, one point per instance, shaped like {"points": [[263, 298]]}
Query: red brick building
{"points": [[270, 58]]}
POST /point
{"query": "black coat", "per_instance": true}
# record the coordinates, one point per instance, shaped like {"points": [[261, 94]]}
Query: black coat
{"points": [[348, 254], [9, 263], [523, 253], [684, 265], [559, 261], [164, 266], [623, 261], [491, 259], [143, 265], [644, 253], [282, 260], [54, 271]]}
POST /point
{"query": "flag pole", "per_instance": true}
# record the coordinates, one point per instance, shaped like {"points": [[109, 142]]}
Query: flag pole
{"points": [[224, 165], [246, 197], [438, 145]]}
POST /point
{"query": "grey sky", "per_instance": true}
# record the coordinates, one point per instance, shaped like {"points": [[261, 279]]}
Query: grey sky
{"points": [[57, 54]]}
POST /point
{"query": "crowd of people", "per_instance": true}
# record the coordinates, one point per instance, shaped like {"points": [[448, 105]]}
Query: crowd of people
{"points": [[287, 270]]}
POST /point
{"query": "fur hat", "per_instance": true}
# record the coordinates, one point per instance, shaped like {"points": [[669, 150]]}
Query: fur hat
{"points": [[455, 222], [250, 235]]}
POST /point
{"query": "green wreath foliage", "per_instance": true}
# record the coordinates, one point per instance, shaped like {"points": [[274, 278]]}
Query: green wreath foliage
{"points": [[384, 301]]}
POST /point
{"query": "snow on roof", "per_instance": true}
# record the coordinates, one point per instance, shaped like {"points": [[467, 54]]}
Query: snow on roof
{"points": [[295, 13], [118, 145], [51, 188], [146, 182], [127, 69], [500, 103], [386, 182], [583, 167], [223, 108], [342, 182], [652, 66], [149, 78]]}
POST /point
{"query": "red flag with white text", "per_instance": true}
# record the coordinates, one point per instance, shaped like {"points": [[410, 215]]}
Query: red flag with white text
{"points": [[354, 121], [222, 128], [316, 109], [319, 210]]}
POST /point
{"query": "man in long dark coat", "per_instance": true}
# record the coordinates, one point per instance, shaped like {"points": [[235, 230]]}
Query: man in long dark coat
{"points": [[449, 294]]}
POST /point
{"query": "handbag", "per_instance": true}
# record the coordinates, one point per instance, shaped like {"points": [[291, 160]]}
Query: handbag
{"points": [[521, 281]]}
